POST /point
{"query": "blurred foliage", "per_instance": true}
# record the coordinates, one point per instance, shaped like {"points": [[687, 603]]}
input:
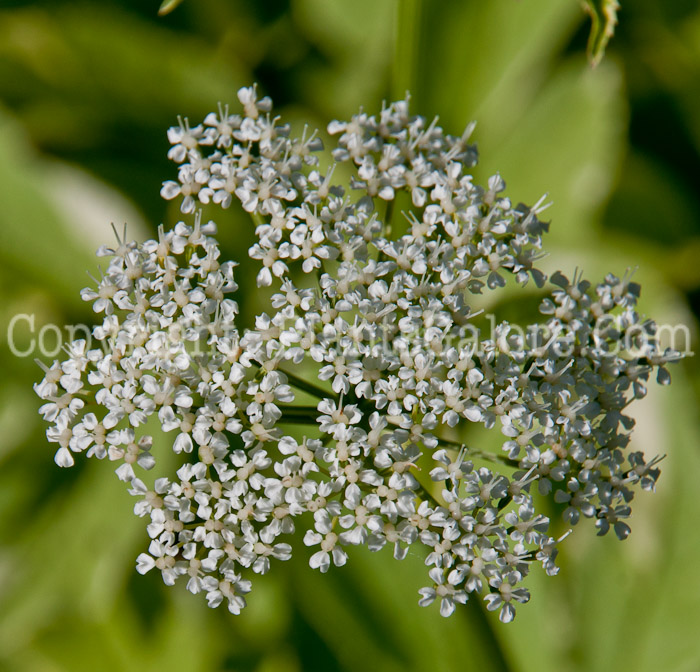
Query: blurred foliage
{"points": [[87, 91], [168, 6], [603, 15]]}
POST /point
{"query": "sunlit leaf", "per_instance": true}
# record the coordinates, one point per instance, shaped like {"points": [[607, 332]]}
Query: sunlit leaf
{"points": [[355, 38], [568, 143], [35, 240], [648, 584], [487, 71]]}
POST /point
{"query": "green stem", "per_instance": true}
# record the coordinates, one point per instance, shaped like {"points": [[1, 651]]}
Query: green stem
{"points": [[308, 387], [504, 502], [304, 385], [483, 455], [388, 217], [308, 411], [406, 47], [429, 495], [257, 218], [299, 415], [297, 420]]}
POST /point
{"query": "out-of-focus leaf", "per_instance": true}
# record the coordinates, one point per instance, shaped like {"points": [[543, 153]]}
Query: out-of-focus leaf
{"points": [[652, 203], [674, 55], [370, 612], [647, 589], [355, 37], [556, 130], [91, 528], [92, 72], [100, 86], [603, 15], [54, 218], [16, 417], [168, 6], [568, 145], [489, 61], [330, 605], [35, 241]]}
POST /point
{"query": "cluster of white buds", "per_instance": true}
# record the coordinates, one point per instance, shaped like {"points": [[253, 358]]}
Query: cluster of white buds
{"points": [[371, 320]]}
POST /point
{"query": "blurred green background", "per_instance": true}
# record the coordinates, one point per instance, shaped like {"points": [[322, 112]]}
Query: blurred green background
{"points": [[87, 91]]}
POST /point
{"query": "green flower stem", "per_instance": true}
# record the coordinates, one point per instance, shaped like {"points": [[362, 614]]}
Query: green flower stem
{"points": [[388, 217], [406, 47], [299, 415], [308, 387], [257, 218], [307, 411], [504, 502], [297, 420], [304, 385], [481, 454], [426, 494]]}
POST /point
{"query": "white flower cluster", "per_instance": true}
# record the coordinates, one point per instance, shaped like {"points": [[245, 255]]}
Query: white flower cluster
{"points": [[375, 306]]}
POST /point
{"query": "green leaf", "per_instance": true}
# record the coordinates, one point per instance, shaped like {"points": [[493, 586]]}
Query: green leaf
{"points": [[36, 243], [352, 46], [647, 587], [567, 143], [370, 612], [167, 6], [481, 68], [603, 21], [547, 124]]}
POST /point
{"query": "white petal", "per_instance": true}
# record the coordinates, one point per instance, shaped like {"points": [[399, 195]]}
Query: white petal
{"points": [[320, 560], [312, 538], [125, 473], [507, 613], [64, 458], [183, 443], [473, 413], [144, 563], [340, 557], [447, 607], [170, 190], [428, 597]]}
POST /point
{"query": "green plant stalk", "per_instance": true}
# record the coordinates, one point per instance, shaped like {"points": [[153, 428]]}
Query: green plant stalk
{"points": [[308, 387], [603, 15], [406, 47]]}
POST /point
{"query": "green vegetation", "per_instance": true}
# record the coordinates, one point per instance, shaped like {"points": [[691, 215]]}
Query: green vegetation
{"points": [[87, 91]]}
